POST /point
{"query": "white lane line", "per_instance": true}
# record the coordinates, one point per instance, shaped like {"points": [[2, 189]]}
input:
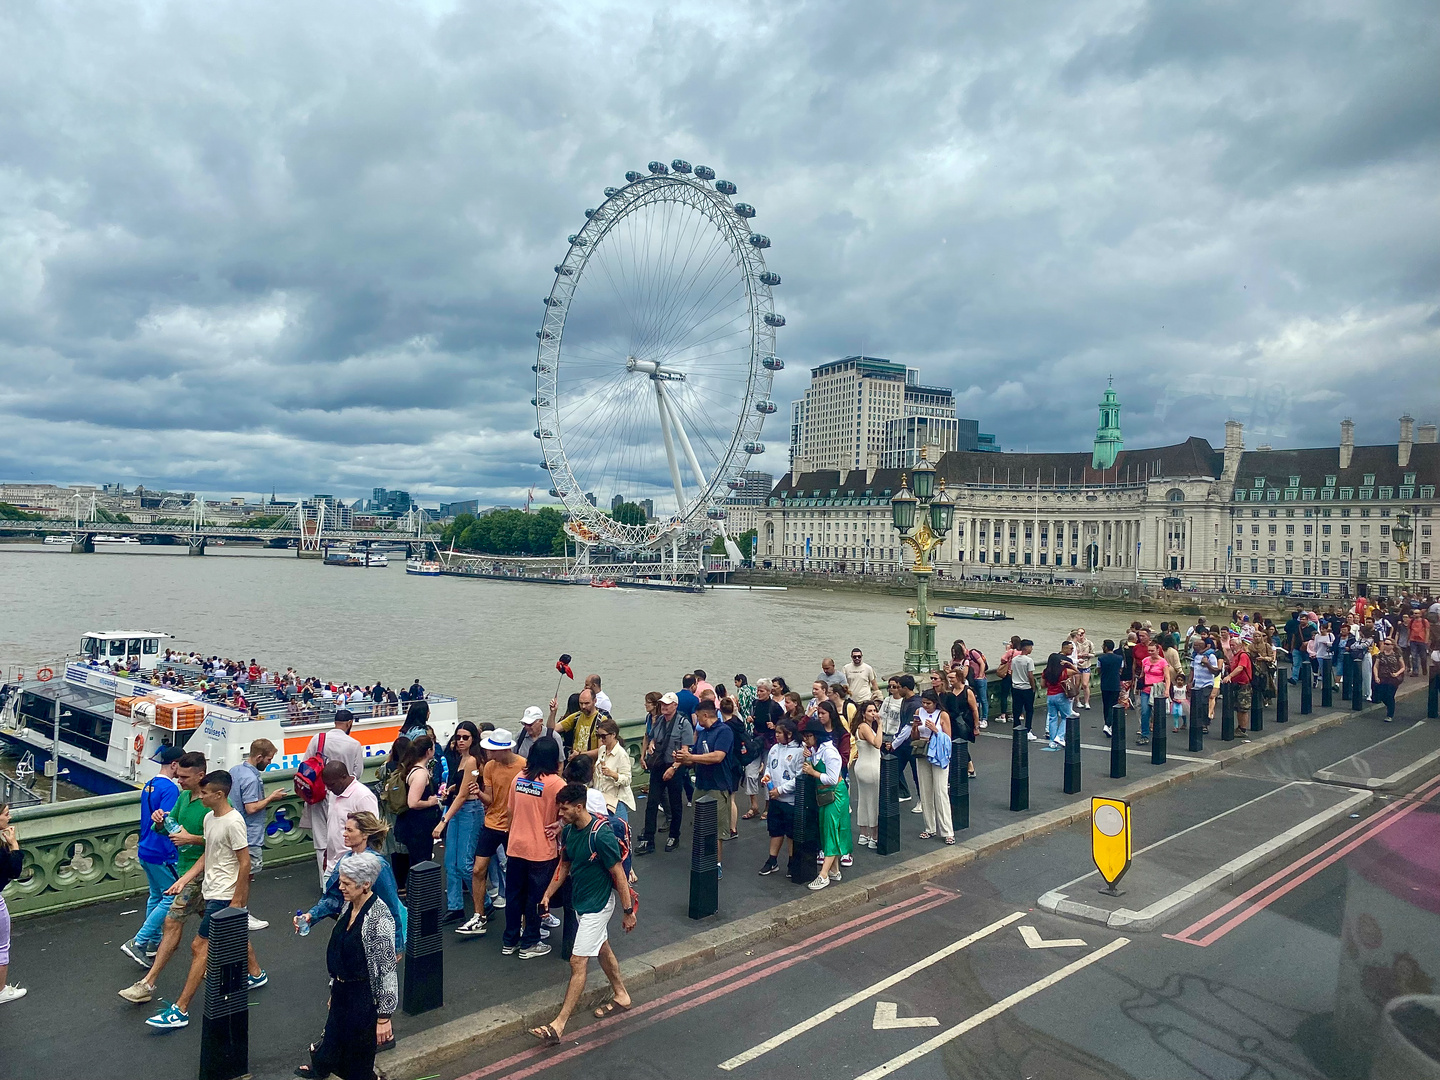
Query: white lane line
{"points": [[993, 1011], [1033, 940], [870, 991], [1373, 746]]}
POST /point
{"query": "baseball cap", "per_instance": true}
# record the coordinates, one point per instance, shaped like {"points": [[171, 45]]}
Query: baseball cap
{"points": [[499, 739], [167, 754], [532, 713], [669, 699]]}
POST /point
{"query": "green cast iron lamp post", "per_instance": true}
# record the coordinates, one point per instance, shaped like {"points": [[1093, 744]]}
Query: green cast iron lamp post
{"points": [[922, 533]]}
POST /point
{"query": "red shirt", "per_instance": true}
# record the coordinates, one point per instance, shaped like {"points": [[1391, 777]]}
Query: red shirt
{"points": [[1242, 669]]}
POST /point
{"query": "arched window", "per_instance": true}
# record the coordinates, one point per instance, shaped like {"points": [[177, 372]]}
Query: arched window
{"points": [[1175, 495]]}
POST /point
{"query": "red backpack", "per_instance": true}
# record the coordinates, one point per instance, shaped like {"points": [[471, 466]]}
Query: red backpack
{"points": [[309, 786]]}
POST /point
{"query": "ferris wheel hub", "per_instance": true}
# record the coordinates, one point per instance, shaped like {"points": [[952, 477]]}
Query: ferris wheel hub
{"points": [[653, 369]]}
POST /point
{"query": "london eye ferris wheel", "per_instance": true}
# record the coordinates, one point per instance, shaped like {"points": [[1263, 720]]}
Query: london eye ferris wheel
{"points": [[656, 356]]}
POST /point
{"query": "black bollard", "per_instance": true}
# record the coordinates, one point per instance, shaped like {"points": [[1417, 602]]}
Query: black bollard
{"points": [[1072, 756], [1019, 770], [804, 866], [1347, 665], [1117, 742], [887, 841], [1357, 695], [1282, 700], [1227, 712], [1257, 705], [1199, 717], [704, 867], [1432, 704], [1327, 679], [424, 959], [1159, 740], [225, 1029], [1307, 693], [960, 785]]}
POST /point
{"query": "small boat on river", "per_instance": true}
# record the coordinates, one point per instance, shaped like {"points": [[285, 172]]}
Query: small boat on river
{"points": [[980, 613], [347, 556], [422, 567]]}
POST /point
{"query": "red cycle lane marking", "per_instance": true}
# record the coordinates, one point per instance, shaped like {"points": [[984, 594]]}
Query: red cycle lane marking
{"points": [[1367, 831], [636, 1018]]}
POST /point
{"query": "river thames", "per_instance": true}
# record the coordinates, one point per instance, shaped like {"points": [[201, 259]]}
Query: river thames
{"points": [[491, 644]]}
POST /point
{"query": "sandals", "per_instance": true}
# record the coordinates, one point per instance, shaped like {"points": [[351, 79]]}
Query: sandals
{"points": [[749, 815], [927, 836], [547, 1035], [611, 1006]]}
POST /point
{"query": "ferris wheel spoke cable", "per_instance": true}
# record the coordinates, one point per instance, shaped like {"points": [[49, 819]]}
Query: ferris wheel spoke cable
{"points": [[700, 286], [684, 282]]}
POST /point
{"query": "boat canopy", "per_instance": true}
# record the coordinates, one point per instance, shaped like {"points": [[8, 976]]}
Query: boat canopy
{"points": [[119, 646]]}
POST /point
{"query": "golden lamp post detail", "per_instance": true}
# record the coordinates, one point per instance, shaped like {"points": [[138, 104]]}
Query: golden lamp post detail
{"points": [[922, 532]]}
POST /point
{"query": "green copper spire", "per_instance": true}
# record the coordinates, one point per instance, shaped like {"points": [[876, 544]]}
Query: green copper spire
{"points": [[1108, 440]]}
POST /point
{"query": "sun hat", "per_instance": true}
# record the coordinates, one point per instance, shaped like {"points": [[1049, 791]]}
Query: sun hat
{"points": [[499, 739]]}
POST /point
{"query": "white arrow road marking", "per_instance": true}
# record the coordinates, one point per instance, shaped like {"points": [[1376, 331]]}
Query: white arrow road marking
{"points": [[886, 1020], [950, 1034], [870, 991], [1035, 941]]}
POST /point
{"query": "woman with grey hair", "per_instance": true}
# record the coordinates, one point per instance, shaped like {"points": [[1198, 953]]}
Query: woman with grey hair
{"points": [[363, 990]]}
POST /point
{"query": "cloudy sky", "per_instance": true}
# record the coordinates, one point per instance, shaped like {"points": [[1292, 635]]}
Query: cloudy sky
{"points": [[303, 246]]}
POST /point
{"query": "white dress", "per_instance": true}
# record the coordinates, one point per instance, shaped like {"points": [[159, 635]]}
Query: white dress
{"points": [[866, 775]]}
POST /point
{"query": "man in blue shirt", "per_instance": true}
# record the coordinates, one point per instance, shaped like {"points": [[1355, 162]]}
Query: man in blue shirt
{"points": [[710, 755], [685, 700], [157, 855], [1109, 662]]}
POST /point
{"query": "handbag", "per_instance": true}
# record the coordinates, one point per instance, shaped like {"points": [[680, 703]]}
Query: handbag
{"points": [[824, 794]]}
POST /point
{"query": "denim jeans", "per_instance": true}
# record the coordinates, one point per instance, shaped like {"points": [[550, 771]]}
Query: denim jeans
{"points": [[461, 835], [1057, 711], [982, 696], [1145, 715], [495, 873], [1296, 656], [160, 876]]}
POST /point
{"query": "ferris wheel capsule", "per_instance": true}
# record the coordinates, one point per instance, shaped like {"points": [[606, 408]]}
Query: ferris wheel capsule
{"points": [[563, 270], [611, 192], [680, 165], [704, 172], [577, 240], [725, 187], [659, 168], [769, 277], [632, 176], [745, 210], [736, 484], [766, 407], [773, 363], [754, 448], [771, 319], [758, 240]]}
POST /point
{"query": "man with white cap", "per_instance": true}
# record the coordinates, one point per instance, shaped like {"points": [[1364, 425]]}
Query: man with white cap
{"points": [[502, 765], [532, 730], [671, 731]]}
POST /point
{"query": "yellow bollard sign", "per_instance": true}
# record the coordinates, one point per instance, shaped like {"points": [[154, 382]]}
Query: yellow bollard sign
{"points": [[1110, 839]]}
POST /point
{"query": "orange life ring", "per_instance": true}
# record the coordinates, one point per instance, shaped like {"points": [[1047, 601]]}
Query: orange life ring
{"points": [[45, 674], [139, 748]]}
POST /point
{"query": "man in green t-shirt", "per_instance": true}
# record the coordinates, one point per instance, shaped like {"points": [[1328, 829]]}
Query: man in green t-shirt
{"points": [[590, 860], [186, 826]]}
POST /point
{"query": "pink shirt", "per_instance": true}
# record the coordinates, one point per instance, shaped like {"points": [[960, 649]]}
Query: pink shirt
{"points": [[355, 798], [1154, 668]]}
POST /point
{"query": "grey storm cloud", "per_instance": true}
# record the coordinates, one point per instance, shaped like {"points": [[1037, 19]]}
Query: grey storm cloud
{"points": [[303, 246]]}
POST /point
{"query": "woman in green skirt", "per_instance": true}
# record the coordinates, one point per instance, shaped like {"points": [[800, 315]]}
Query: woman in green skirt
{"points": [[822, 761]]}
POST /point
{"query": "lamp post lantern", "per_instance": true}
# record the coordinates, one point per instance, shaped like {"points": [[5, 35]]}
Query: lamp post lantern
{"points": [[922, 533], [1402, 533]]}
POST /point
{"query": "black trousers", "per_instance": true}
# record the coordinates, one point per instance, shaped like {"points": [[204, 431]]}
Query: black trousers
{"points": [[1108, 700], [525, 883], [907, 758], [1385, 692], [1024, 698], [670, 791]]}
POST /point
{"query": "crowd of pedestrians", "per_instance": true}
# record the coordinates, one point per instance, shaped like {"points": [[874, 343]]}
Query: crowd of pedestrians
{"points": [[541, 815]]}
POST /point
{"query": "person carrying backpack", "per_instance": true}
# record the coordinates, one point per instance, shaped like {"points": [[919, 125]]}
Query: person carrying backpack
{"points": [[337, 744], [592, 864], [975, 670]]}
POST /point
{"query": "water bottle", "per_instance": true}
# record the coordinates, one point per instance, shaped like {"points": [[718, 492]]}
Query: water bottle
{"points": [[304, 927], [171, 825]]}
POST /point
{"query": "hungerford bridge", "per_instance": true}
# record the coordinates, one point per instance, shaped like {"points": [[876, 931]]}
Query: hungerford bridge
{"points": [[310, 528]]}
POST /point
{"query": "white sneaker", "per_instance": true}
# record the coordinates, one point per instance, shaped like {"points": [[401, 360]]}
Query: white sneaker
{"points": [[1109, 733], [551, 920], [12, 993], [257, 924], [917, 809], [819, 883], [835, 875], [538, 949], [1059, 740], [472, 927], [986, 723], [498, 903], [1031, 736]]}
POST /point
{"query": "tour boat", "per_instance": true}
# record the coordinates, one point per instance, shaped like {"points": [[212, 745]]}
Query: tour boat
{"points": [[422, 567], [66, 540], [984, 614], [102, 539], [112, 723], [602, 585]]}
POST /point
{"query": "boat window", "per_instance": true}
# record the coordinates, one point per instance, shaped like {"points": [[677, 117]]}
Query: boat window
{"points": [[134, 649], [152, 645], [117, 647], [90, 646]]}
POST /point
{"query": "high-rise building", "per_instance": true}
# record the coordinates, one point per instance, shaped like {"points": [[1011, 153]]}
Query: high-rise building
{"points": [[842, 421], [797, 427], [615, 501], [648, 505]]}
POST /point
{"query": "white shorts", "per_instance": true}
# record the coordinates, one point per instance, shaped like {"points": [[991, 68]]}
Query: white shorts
{"points": [[594, 930], [753, 772]]}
